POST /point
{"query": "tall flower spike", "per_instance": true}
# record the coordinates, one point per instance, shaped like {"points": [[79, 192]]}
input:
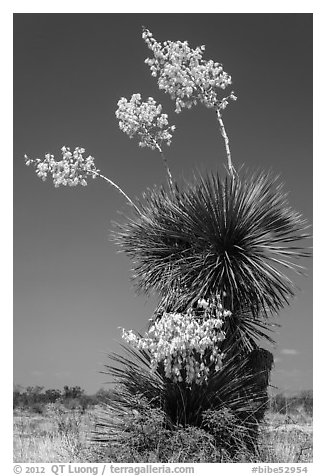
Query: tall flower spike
{"points": [[183, 73], [73, 169], [146, 121]]}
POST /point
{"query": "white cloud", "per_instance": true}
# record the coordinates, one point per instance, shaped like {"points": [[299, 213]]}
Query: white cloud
{"points": [[289, 352]]}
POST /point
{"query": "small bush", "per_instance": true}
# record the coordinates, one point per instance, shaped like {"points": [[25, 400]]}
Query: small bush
{"points": [[143, 434], [35, 399]]}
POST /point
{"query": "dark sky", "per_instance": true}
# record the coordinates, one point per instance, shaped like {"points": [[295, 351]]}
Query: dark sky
{"points": [[71, 288]]}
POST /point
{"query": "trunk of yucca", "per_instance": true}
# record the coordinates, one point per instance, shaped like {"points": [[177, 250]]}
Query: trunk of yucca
{"points": [[257, 369]]}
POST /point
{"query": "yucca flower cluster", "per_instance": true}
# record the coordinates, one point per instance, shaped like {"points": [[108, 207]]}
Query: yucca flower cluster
{"points": [[188, 345], [185, 75], [144, 119], [73, 169]]}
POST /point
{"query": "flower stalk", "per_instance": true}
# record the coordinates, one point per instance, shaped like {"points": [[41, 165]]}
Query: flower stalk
{"points": [[226, 142], [188, 79], [165, 162], [72, 170], [145, 120]]}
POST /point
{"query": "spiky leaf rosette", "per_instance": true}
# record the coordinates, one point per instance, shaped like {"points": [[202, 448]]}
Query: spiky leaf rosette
{"points": [[230, 236]]}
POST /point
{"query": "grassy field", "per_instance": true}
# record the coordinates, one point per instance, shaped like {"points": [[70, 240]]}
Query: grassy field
{"points": [[65, 436]]}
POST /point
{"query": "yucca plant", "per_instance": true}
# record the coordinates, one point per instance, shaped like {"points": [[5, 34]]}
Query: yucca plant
{"points": [[235, 237], [219, 239]]}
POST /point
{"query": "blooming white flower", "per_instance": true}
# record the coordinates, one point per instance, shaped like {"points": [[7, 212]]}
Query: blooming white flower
{"points": [[72, 169], [185, 75], [188, 345], [145, 120]]}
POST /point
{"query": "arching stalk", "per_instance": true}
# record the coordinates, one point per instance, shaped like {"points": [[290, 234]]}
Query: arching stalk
{"points": [[118, 188]]}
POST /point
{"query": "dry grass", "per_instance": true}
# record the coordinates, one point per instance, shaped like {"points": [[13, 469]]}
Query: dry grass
{"points": [[286, 439], [64, 436], [58, 436]]}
